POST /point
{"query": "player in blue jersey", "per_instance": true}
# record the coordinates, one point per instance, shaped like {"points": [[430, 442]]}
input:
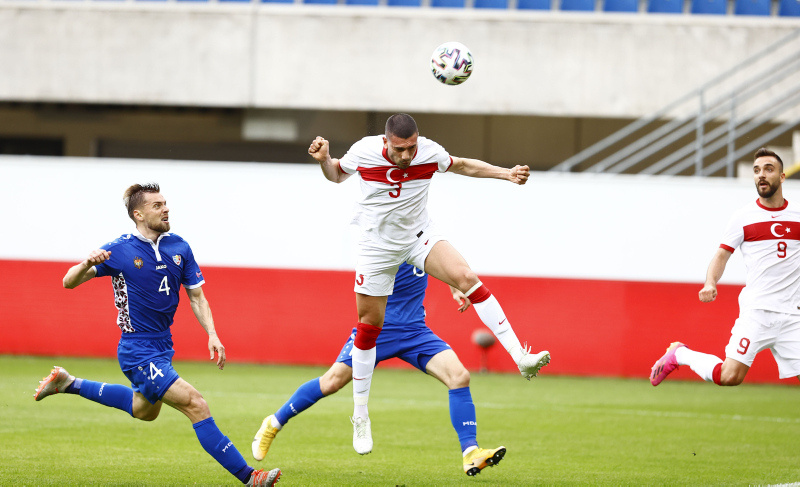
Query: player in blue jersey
{"points": [[147, 270], [405, 336]]}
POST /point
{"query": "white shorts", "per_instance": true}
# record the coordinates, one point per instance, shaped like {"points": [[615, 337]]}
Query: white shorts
{"points": [[759, 329], [376, 266]]}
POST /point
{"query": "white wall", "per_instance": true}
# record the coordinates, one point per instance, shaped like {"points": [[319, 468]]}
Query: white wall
{"points": [[376, 59], [290, 216]]}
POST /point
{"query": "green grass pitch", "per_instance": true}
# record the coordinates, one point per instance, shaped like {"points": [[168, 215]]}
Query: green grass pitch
{"points": [[558, 431]]}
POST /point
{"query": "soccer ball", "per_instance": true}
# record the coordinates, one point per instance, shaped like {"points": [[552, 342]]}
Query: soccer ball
{"points": [[451, 63]]}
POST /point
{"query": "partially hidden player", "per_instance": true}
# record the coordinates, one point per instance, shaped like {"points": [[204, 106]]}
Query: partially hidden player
{"points": [[147, 269], [405, 336], [767, 231], [395, 172]]}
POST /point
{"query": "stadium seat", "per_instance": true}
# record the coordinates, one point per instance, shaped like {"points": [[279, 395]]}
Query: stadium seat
{"points": [[491, 3], [710, 7], [665, 7], [534, 5], [621, 6], [404, 3], [789, 8], [448, 3], [752, 7], [577, 5]]}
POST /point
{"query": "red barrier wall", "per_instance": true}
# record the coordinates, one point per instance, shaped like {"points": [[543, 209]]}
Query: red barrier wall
{"points": [[591, 327]]}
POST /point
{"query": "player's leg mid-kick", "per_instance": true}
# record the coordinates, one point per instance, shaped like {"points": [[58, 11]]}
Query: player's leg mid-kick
{"points": [[445, 263]]}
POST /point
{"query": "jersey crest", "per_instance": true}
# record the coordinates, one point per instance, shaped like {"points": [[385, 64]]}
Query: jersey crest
{"points": [[138, 262], [176, 259]]}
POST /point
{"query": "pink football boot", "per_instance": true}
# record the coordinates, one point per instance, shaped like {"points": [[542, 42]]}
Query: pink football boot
{"points": [[666, 364]]}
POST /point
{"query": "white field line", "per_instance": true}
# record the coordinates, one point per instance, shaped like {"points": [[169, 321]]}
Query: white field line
{"points": [[345, 397]]}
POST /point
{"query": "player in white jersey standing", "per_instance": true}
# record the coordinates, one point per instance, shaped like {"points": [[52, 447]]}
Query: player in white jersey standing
{"points": [[768, 234], [395, 171]]}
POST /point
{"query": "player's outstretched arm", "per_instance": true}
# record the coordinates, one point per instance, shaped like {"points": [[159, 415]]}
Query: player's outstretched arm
{"points": [[80, 273], [202, 311], [714, 274], [320, 151], [475, 168]]}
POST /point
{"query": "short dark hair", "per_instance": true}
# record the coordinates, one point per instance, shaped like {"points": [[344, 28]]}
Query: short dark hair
{"points": [[134, 196], [401, 125], [764, 152]]}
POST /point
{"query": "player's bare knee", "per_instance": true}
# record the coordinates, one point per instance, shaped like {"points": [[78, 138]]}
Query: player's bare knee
{"points": [[149, 415], [460, 379], [466, 278], [331, 384], [146, 414], [731, 379]]}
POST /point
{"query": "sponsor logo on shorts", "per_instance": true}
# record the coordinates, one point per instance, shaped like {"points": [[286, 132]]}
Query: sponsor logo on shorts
{"points": [[360, 280]]}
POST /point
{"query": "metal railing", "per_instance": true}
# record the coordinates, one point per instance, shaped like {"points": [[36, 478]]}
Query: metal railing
{"points": [[748, 105]]}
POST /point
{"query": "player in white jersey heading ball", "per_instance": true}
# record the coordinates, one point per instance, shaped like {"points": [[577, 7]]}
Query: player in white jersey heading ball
{"points": [[768, 233], [395, 171]]}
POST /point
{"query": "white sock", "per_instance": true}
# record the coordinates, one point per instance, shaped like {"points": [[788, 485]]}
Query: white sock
{"points": [[702, 364], [469, 449], [363, 366], [275, 423], [493, 317]]}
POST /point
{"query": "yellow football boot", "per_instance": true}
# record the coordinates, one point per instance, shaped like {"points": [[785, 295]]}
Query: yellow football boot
{"points": [[478, 459], [263, 439]]}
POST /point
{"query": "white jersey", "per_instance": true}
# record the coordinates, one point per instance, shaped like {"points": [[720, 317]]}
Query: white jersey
{"points": [[393, 205], [770, 242]]}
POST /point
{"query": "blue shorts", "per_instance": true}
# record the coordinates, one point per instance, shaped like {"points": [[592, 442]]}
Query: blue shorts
{"points": [[413, 344], [146, 360]]}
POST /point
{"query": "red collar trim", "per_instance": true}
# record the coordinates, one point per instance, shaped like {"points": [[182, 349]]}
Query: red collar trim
{"points": [[785, 204], [385, 154]]}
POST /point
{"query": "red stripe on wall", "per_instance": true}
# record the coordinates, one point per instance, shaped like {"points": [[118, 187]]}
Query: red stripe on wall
{"points": [[591, 327]]}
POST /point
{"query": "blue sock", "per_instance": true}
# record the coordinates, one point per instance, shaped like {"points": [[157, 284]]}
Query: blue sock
{"points": [[221, 448], [111, 395], [303, 398], [462, 415]]}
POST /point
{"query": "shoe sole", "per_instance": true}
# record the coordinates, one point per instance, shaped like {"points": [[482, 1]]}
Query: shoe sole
{"points": [[489, 462], [544, 361], [46, 381], [277, 478], [659, 365]]}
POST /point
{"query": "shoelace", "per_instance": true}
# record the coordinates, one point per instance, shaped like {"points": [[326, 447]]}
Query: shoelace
{"points": [[361, 427], [267, 435]]}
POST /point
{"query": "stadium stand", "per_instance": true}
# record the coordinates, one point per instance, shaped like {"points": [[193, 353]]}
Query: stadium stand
{"points": [[577, 5], [789, 8], [763, 8], [752, 7], [709, 7], [448, 3], [534, 4], [621, 6], [491, 4], [665, 6]]}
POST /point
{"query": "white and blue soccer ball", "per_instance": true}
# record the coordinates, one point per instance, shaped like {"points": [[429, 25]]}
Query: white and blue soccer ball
{"points": [[451, 63]]}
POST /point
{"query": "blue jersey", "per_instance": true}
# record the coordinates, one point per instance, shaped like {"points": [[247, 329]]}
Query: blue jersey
{"points": [[147, 278], [404, 306]]}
